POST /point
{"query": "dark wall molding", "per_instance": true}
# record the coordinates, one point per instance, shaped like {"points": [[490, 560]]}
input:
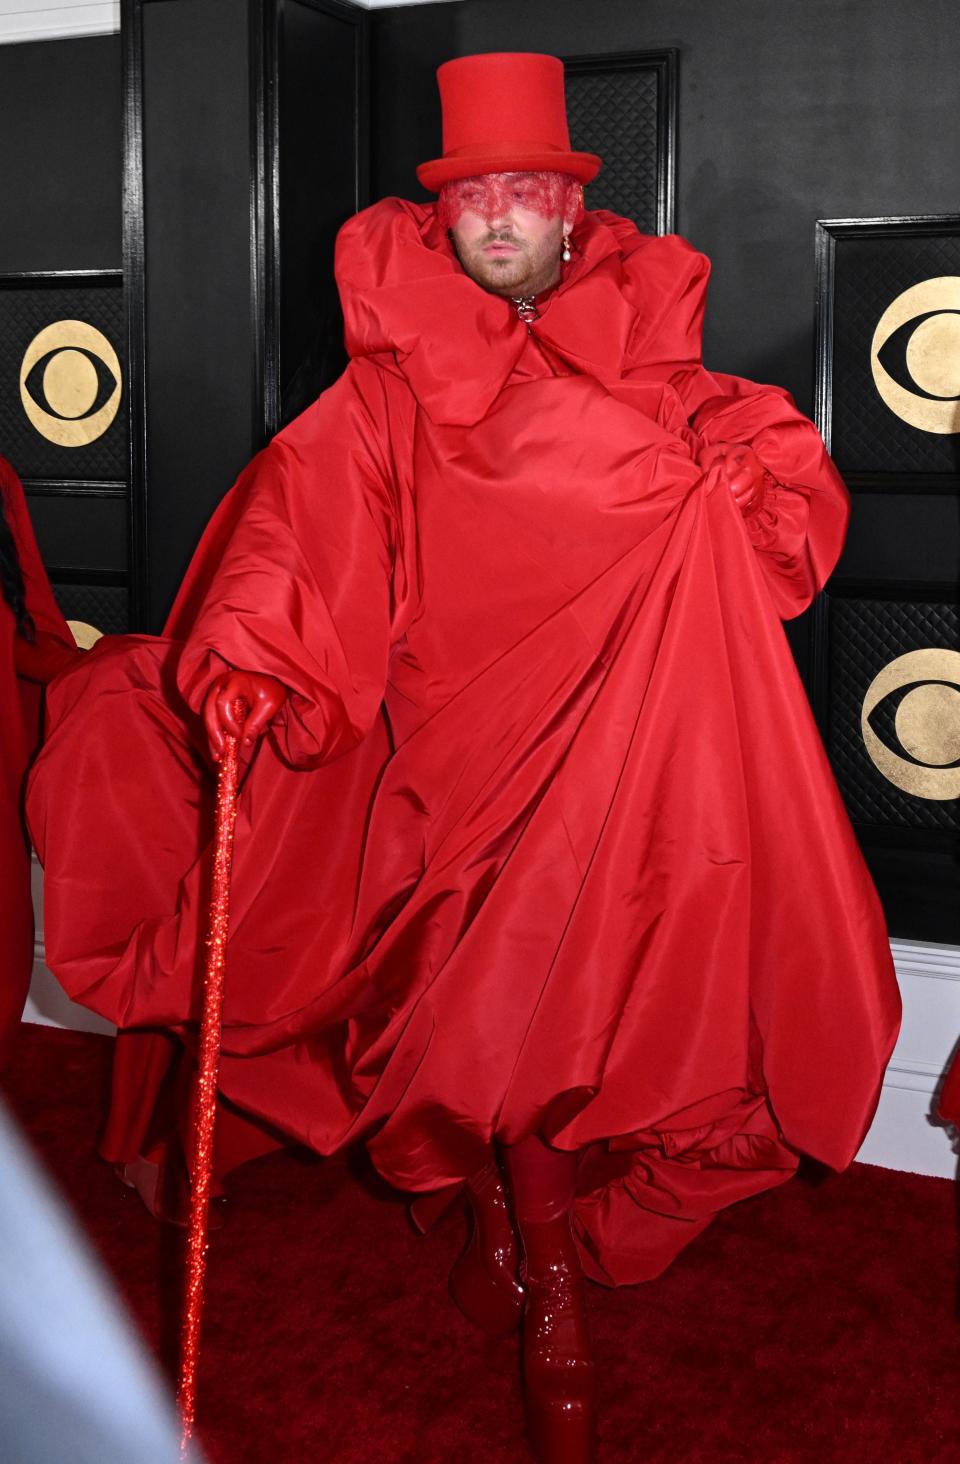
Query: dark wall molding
{"points": [[72, 487], [131, 24], [264, 21]]}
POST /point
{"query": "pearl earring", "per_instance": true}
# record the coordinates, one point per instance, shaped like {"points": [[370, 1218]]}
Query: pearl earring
{"points": [[565, 256]]}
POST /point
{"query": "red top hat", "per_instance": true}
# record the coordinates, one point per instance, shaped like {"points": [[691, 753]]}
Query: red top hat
{"points": [[504, 112]]}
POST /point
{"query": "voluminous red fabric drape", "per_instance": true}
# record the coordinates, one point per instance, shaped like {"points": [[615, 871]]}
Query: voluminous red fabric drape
{"points": [[19, 735], [545, 840]]}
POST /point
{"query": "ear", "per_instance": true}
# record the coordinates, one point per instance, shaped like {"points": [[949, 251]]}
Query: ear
{"points": [[574, 206]]}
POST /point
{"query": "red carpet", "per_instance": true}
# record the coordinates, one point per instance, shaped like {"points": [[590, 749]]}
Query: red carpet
{"points": [[817, 1323]]}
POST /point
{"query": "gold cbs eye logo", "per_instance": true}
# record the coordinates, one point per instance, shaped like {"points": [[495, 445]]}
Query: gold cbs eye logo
{"points": [[70, 383], [926, 722], [915, 355]]}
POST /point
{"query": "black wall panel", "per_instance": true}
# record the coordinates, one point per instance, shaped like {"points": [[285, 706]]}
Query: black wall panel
{"points": [[865, 436], [321, 149], [867, 633], [60, 260], [908, 536], [254, 118], [624, 109], [29, 306], [86, 533], [60, 171], [199, 307], [885, 676]]}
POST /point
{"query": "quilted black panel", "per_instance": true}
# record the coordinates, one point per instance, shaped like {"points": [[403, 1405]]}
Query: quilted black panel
{"points": [[869, 273], [865, 635], [614, 113], [104, 606], [26, 307]]}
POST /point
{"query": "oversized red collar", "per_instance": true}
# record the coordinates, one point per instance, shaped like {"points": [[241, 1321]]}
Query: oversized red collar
{"points": [[404, 294]]}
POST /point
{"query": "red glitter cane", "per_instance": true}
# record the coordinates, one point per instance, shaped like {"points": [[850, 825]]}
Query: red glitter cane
{"points": [[207, 1065]]}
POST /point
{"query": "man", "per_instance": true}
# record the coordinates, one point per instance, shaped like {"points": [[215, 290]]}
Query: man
{"points": [[541, 860]]}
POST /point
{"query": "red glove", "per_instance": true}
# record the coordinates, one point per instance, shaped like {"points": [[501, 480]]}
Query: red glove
{"points": [[741, 470], [262, 695]]}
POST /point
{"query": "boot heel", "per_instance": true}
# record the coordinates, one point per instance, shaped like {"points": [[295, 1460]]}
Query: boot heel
{"points": [[428, 1210], [162, 1186], [491, 1303], [483, 1281]]}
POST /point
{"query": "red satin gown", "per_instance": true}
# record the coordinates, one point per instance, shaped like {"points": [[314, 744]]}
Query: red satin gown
{"points": [[24, 667], [545, 840]]}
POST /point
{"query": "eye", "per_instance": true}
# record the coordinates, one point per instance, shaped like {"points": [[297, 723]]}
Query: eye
{"points": [[70, 383], [923, 355], [910, 722], [915, 355]]}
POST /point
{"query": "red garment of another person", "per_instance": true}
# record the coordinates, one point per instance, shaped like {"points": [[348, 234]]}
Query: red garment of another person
{"points": [[545, 839], [948, 1104], [24, 668]]}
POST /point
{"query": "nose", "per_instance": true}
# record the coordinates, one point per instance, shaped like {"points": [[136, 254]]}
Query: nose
{"points": [[499, 218]]}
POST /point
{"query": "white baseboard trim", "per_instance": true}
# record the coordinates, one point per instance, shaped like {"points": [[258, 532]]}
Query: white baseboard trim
{"points": [[47, 1003], [39, 20], [905, 1134], [49, 1006], [926, 958]]}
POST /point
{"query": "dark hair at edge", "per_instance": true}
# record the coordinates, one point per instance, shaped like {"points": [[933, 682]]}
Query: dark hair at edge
{"points": [[11, 578]]}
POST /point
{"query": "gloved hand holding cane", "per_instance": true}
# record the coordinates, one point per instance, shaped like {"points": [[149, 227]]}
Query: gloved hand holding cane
{"points": [[262, 697]]}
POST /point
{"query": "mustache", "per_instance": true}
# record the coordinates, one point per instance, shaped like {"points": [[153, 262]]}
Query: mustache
{"points": [[500, 236]]}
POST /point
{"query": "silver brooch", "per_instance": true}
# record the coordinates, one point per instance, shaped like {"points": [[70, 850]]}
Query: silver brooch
{"points": [[526, 308]]}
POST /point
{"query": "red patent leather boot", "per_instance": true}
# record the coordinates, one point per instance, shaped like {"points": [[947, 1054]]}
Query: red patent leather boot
{"points": [[558, 1372], [484, 1280]]}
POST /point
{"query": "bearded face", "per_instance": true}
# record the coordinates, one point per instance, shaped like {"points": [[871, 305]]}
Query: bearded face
{"points": [[508, 228]]}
